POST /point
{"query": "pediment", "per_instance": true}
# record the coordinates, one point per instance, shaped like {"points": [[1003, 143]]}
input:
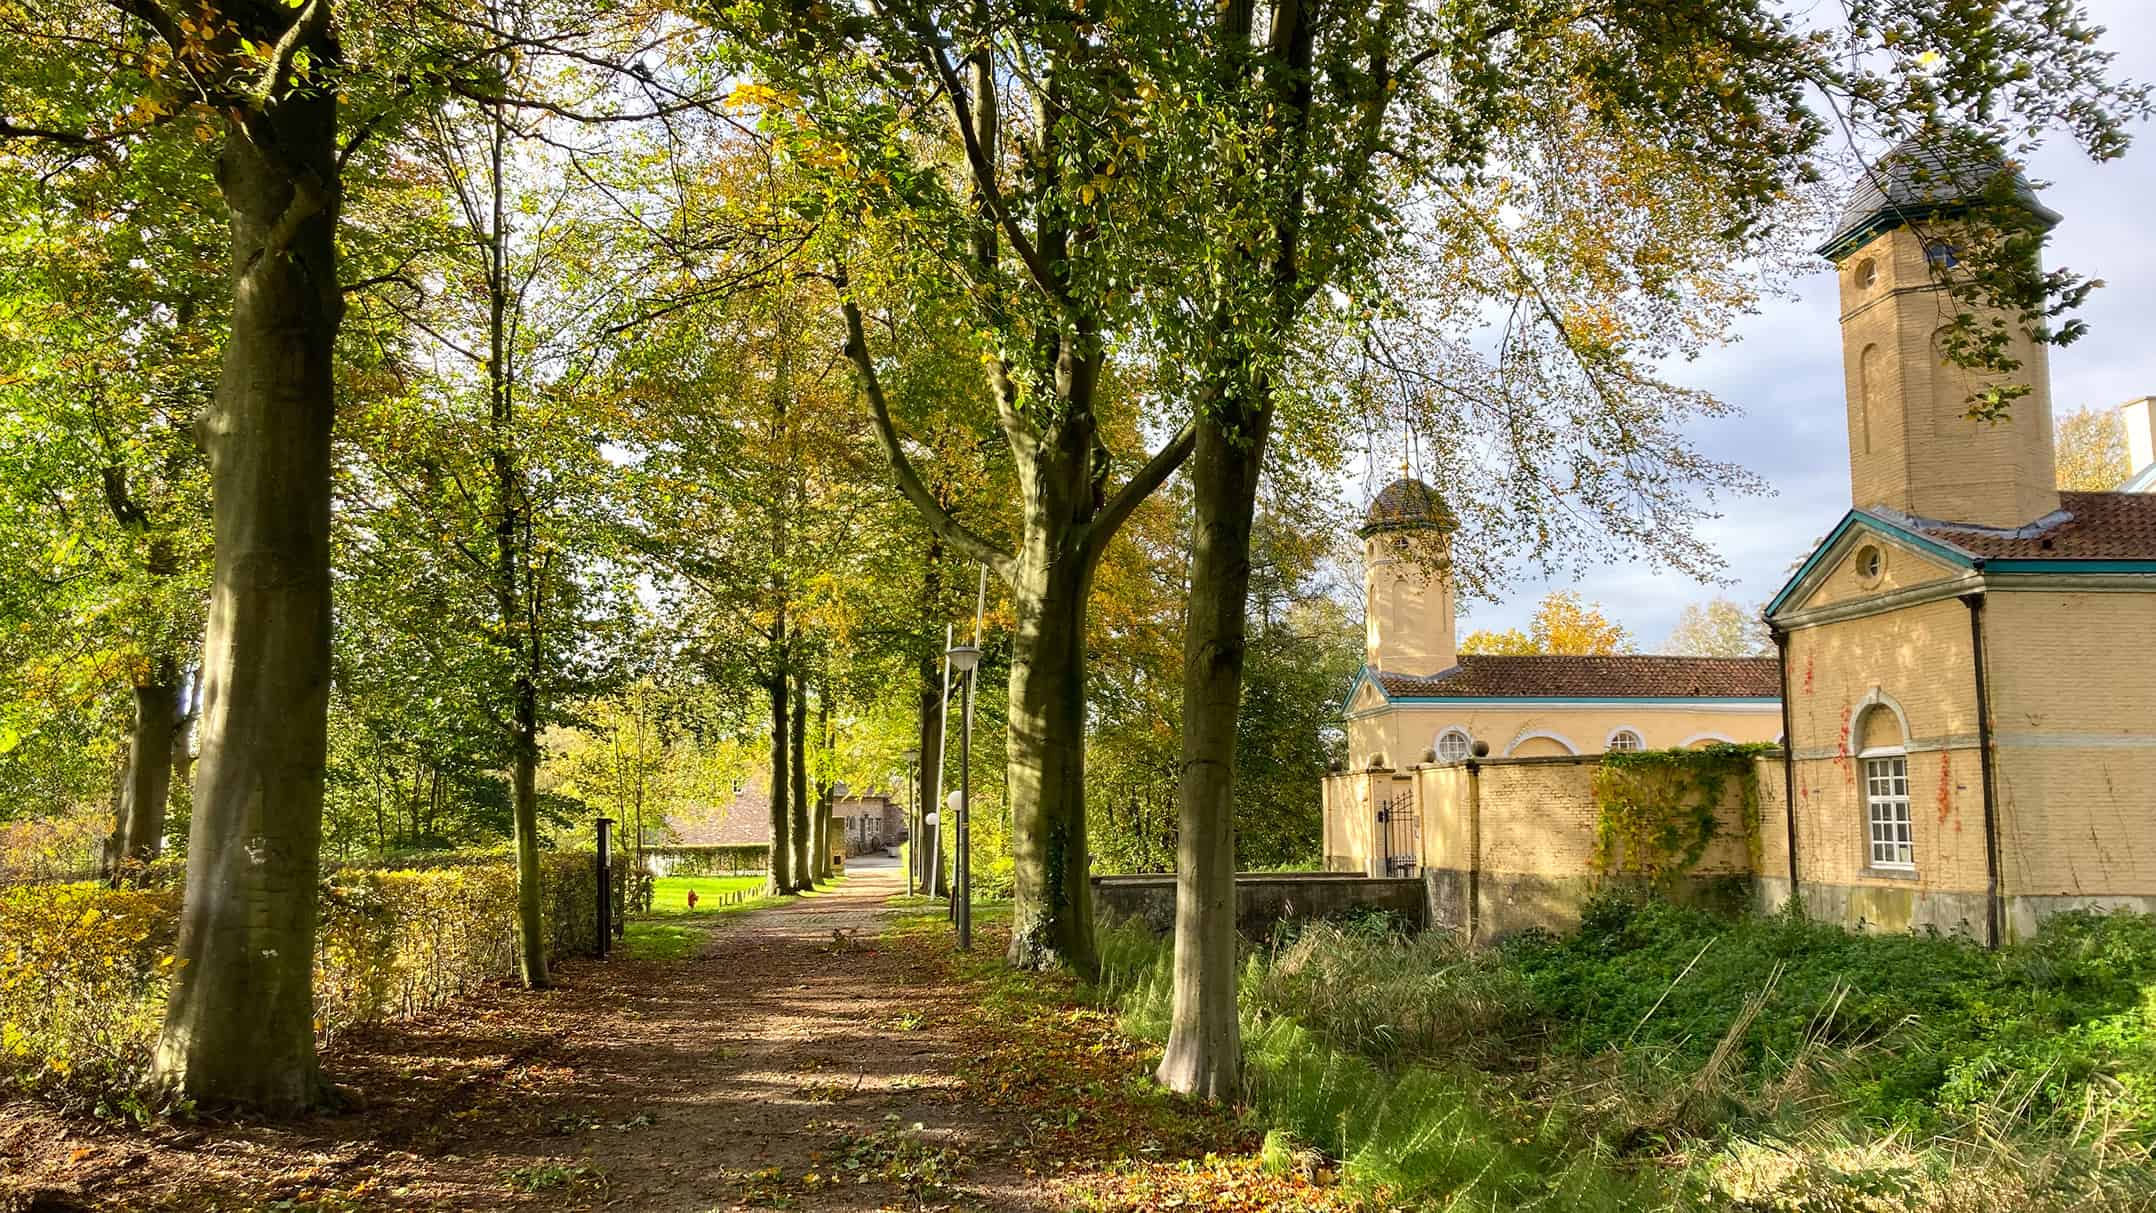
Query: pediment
{"points": [[1865, 560]]}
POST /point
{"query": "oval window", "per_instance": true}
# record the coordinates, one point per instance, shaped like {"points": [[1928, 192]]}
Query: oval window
{"points": [[1867, 273], [1871, 564]]}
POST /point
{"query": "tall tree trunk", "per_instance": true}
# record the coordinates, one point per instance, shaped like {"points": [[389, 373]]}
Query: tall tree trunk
{"points": [[149, 768], [927, 855], [515, 581], [1235, 416], [531, 917], [820, 794], [780, 858], [178, 793], [1204, 1053], [240, 1026], [1052, 897], [805, 846]]}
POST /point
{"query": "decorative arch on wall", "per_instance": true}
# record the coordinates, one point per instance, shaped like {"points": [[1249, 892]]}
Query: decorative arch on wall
{"points": [[1524, 738], [1637, 734], [1453, 733], [1876, 700], [1696, 738]]}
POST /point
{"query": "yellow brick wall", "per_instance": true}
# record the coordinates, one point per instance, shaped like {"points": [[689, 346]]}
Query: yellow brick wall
{"points": [[1408, 609], [1445, 797], [1910, 447], [2073, 697], [1405, 731], [1921, 658], [1773, 817], [1539, 819]]}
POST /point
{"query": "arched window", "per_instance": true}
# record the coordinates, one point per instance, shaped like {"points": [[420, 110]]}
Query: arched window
{"points": [[1453, 744], [1624, 740], [1884, 758], [1541, 744]]}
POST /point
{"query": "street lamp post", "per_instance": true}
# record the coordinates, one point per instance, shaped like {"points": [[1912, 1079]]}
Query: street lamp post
{"points": [[964, 657]]}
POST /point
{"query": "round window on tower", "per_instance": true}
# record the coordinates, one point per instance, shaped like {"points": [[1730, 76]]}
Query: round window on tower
{"points": [[1870, 564], [1867, 272]]}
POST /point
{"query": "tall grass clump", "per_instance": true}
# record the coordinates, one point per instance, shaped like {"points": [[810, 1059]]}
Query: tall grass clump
{"points": [[1661, 1057]]}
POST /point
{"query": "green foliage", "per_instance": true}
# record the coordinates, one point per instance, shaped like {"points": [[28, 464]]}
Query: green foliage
{"points": [[687, 860], [85, 969], [1662, 1057], [1659, 809], [1924, 1030]]}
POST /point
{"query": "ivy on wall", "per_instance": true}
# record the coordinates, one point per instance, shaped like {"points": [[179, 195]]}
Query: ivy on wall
{"points": [[1659, 809]]}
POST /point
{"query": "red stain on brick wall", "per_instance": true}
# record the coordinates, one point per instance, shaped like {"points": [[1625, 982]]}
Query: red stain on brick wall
{"points": [[1807, 673], [1841, 747], [1946, 787]]}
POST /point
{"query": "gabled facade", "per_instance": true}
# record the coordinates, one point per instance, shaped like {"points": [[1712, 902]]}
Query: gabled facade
{"points": [[1971, 689]]}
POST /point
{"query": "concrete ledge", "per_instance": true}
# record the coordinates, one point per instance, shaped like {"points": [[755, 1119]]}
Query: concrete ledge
{"points": [[1263, 899]]}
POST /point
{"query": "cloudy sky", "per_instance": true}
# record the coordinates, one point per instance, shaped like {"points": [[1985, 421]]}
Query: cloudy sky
{"points": [[1785, 372]]}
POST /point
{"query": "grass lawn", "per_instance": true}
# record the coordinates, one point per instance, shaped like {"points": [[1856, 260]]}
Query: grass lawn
{"points": [[664, 934], [670, 894]]}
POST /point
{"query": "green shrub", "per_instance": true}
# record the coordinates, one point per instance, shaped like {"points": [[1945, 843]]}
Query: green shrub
{"points": [[85, 969], [82, 979], [707, 860]]}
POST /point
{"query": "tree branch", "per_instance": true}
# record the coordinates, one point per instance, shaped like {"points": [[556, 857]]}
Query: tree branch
{"points": [[1139, 487], [939, 520]]}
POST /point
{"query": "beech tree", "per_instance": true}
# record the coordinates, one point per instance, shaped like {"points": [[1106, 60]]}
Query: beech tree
{"points": [[91, 77], [2091, 446], [1025, 243], [1719, 628]]}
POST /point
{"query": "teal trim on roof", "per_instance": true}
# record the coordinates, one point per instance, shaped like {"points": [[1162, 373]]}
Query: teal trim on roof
{"points": [[2069, 566], [1500, 701], [1881, 222], [1853, 518], [1362, 676]]}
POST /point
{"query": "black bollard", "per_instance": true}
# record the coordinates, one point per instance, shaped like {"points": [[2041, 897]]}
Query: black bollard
{"points": [[606, 898]]}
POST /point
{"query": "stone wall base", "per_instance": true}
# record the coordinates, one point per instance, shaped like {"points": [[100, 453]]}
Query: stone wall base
{"points": [[1507, 903], [1263, 899]]}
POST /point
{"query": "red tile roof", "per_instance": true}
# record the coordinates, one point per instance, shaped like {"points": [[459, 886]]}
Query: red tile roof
{"points": [[2098, 526], [744, 822], [1483, 675]]}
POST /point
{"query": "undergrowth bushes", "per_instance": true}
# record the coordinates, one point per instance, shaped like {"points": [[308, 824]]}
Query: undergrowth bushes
{"points": [[84, 969], [1662, 1057]]}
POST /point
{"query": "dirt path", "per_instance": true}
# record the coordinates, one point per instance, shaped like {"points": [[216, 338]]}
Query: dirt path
{"points": [[794, 1045]]}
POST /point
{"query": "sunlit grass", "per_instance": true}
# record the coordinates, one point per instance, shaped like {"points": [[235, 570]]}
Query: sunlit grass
{"points": [[670, 894]]}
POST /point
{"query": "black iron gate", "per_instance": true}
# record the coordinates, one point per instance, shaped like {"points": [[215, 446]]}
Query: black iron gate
{"points": [[1403, 836]]}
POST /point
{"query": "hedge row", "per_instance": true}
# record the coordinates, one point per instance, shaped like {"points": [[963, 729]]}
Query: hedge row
{"points": [[706, 860], [85, 969]]}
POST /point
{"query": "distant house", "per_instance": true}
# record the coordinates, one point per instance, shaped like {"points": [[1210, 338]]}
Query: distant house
{"points": [[744, 821], [865, 823]]}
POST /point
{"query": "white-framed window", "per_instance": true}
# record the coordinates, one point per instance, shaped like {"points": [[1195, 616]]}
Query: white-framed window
{"points": [[1624, 741], [1886, 805], [1454, 744]]}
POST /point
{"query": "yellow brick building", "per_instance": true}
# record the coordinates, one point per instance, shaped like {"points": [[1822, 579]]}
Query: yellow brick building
{"points": [[1419, 702], [1965, 688], [1971, 694]]}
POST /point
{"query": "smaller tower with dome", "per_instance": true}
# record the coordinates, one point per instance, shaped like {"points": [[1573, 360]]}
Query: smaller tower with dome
{"points": [[1407, 580]]}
